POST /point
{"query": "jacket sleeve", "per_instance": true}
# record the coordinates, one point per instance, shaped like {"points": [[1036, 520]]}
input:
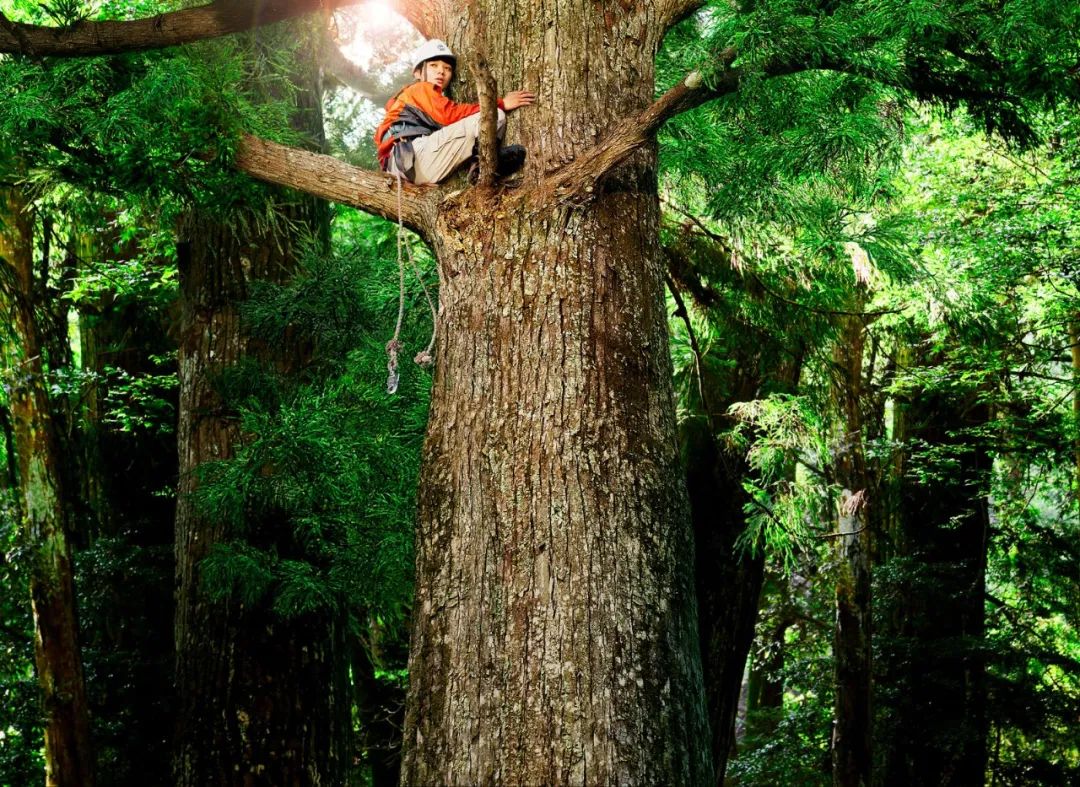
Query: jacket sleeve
{"points": [[441, 109]]}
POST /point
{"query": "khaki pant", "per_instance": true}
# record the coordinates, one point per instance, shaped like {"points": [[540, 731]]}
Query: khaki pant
{"points": [[437, 155]]}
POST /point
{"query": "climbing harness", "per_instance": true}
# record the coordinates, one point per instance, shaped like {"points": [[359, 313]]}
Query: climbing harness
{"points": [[423, 358]]}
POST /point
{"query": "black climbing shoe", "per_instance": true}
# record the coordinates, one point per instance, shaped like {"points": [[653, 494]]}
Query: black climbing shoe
{"points": [[511, 159]]}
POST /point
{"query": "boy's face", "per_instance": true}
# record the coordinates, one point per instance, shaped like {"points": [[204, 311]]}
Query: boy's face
{"points": [[438, 72]]}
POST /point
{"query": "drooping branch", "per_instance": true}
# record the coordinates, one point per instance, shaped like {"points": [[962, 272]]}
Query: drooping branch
{"points": [[110, 37], [329, 178]]}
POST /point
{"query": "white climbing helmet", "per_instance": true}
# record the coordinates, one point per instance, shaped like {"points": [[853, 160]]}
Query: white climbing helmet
{"points": [[431, 50]]}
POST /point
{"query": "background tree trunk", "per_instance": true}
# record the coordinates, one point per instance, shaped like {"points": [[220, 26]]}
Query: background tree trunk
{"points": [[380, 707], [94, 491], [934, 725], [261, 698], [258, 694], [1074, 352], [554, 635], [852, 741], [728, 580], [68, 757]]}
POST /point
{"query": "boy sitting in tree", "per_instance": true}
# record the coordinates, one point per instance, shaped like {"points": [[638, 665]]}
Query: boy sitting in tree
{"points": [[425, 136]]}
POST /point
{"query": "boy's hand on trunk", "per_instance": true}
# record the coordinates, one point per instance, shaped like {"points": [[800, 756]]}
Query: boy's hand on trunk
{"points": [[517, 98]]}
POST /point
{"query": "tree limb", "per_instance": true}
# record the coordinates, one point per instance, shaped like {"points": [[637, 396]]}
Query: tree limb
{"points": [[110, 37], [429, 17], [489, 120], [583, 173], [682, 312], [329, 178], [674, 11], [348, 73]]}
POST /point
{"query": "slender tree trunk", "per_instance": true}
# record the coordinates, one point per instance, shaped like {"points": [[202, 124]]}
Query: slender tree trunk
{"points": [[92, 481], [728, 581], [1074, 338], [81, 478], [766, 690], [381, 709], [934, 716], [68, 757], [11, 466], [852, 741], [261, 698], [554, 635]]}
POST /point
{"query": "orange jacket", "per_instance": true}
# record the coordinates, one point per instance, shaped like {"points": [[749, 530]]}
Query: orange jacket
{"points": [[424, 105]]}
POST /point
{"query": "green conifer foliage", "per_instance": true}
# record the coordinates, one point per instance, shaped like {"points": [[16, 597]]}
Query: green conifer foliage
{"points": [[328, 456]]}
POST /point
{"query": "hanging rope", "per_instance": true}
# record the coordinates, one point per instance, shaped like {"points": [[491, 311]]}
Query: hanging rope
{"points": [[394, 344], [424, 358]]}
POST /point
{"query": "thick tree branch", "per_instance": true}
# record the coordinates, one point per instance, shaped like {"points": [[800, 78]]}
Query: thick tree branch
{"points": [[429, 17], [348, 73], [108, 37], [674, 11], [583, 173], [329, 178], [489, 120]]}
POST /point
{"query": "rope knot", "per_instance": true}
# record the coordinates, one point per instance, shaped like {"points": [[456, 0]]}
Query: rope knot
{"points": [[423, 359], [392, 377]]}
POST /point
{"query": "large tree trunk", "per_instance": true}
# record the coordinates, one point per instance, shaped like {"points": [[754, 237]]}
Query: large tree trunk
{"points": [[261, 698], [934, 714], [68, 758], [554, 634]]}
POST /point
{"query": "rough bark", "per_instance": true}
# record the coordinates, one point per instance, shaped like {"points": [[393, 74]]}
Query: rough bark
{"points": [[852, 742], [326, 177], [487, 144], [68, 757], [933, 716], [260, 697], [554, 634]]}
